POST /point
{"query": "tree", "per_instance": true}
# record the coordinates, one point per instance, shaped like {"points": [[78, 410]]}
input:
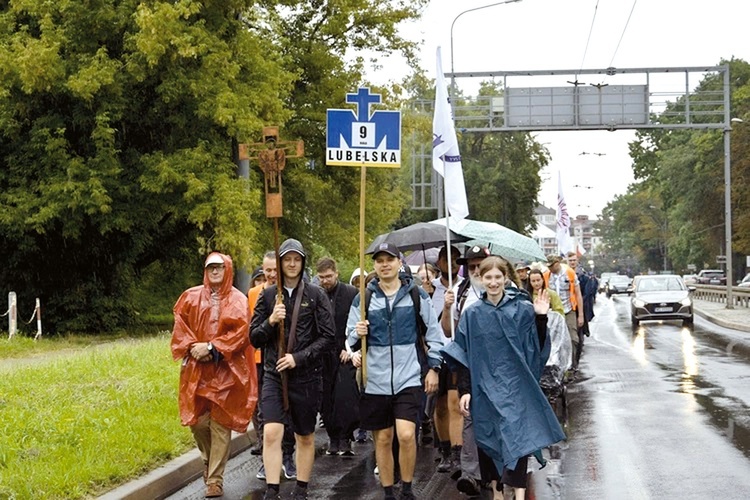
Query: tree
{"points": [[117, 124]]}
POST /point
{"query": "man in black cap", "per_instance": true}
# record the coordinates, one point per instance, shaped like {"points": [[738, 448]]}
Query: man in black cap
{"points": [[308, 334], [392, 397]]}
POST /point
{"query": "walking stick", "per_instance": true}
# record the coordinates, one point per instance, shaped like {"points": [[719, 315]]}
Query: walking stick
{"points": [[271, 155], [362, 311]]}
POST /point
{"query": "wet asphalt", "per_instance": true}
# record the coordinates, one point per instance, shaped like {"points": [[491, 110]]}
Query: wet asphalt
{"points": [[662, 411]]}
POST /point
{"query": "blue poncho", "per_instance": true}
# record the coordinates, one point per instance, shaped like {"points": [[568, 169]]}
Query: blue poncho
{"points": [[500, 347]]}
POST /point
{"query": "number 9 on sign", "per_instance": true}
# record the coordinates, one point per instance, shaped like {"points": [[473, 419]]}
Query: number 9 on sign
{"points": [[363, 134]]}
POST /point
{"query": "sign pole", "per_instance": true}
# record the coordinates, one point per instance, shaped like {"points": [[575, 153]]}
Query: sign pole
{"points": [[362, 312]]}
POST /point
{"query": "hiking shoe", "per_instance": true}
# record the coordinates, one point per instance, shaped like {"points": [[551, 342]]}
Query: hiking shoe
{"points": [[261, 472], [345, 448], [214, 490], [407, 495], [289, 467], [468, 486], [333, 447], [257, 449]]}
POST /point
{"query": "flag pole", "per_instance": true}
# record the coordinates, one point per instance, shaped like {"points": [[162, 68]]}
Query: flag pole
{"points": [[448, 248]]}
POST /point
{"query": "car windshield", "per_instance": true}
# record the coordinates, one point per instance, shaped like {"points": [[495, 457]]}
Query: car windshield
{"points": [[619, 280], [662, 284]]}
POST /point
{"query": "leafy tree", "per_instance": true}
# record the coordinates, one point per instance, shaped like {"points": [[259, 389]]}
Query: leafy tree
{"points": [[117, 126]]}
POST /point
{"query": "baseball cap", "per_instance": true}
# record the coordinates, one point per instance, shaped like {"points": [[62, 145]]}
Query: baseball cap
{"points": [[388, 248], [522, 265], [291, 245], [214, 258], [475, 252], [553, 259]]}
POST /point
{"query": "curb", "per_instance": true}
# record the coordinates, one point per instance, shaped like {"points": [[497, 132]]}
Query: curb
{"points": [[175, 474], [726, 324]]}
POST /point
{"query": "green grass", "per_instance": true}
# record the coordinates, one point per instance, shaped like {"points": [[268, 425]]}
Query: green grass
{"points": [[75, 425]]}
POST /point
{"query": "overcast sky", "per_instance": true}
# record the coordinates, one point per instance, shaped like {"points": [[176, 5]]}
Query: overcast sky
{"points": [[553, 35]]}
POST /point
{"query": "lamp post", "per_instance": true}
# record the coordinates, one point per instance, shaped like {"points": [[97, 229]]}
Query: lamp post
{"points": [[453, 78], [728, 195]]}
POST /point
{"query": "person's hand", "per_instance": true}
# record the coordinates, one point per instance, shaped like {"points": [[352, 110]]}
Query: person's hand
{"points": [[431, 381], [279, 313], [362, 327], [450, 299], [344, 356], [357, 359], [463, 405], [285, 363], [199, 350], [541, 302], [580, 321]]}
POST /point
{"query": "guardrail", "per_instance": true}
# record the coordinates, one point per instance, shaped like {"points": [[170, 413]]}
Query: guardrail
{"points": [[718, 293]]}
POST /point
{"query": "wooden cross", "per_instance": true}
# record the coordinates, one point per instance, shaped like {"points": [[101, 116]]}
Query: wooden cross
{"points": [[271, 155]]}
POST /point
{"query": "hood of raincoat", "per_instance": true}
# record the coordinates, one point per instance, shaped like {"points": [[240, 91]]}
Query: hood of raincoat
{"points": [[226, 284]]}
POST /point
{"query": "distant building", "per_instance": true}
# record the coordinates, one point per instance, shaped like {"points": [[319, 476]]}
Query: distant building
{"points": [[582, 230]]}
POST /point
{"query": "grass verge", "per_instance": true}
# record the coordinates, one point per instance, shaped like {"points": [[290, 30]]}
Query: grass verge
{"points": [[75, 426]]}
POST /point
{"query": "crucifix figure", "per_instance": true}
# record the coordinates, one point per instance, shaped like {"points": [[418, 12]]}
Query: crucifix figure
{"points": [[271, 155]]}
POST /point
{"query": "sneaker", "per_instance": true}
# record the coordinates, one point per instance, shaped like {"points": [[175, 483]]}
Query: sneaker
{"points": [[468, 486], [445, 464], [407, 495], [257, 449], [271, 495], [261, 472], [345, 448], [299, 494], [333, 447], [376, 471], [289, 467]]}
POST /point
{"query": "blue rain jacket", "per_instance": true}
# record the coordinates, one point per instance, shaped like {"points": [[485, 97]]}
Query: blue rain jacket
{"points": [[500, 347]]}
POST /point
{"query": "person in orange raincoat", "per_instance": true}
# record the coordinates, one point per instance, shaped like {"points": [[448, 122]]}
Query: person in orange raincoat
{"points": [[218, 391]]}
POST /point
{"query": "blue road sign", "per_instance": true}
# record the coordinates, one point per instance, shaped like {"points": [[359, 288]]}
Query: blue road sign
{"points": [[363, 139]]}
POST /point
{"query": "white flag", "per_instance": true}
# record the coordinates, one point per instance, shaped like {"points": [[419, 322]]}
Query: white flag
{"points": [[564, 242], [446, 160]]}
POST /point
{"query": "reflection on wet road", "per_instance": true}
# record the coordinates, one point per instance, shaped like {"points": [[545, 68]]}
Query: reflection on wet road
{"points": [[659, 411]]}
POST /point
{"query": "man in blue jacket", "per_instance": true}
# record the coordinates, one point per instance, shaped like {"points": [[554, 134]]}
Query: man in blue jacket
{"points": [[392, 396]]}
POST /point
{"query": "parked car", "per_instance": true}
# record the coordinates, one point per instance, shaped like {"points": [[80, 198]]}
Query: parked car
{"points": [[712, 277], [617, 284], [745, 283], [603, 281], [661, 296], [690, 279]]}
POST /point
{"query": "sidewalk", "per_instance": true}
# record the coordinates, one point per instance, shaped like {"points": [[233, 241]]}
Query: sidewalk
{"points": [[717, 313]]}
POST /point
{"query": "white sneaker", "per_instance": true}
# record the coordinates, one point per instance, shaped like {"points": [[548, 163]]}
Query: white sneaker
{"points": [[376, 471]]}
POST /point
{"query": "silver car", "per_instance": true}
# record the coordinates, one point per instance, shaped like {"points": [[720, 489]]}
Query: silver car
{"points": [[663, 296]]}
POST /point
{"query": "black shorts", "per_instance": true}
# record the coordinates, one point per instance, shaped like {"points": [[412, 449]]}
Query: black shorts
{"points": [[378, 412], [516, 478], [447, 381], [304, 403]]}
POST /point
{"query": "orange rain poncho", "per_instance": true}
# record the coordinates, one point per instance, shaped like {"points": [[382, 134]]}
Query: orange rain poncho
{"points": [[228, 389]]}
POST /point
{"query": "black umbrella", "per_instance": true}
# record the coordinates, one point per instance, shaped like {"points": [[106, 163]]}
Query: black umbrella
{"points": [[418, 236]]}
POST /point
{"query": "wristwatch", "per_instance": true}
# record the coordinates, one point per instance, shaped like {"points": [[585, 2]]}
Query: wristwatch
{"points": [[436, 369], [210, 347]]}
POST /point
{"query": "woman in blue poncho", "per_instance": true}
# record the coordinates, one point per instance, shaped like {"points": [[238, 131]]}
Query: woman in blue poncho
{"points": [[498, 355]]}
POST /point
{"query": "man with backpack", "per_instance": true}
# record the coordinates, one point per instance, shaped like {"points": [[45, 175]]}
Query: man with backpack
{"points": [[397, 312]]}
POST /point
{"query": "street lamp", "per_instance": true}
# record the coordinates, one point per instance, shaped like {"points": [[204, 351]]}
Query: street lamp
{"points": [[664, 238], [453, 78]]}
